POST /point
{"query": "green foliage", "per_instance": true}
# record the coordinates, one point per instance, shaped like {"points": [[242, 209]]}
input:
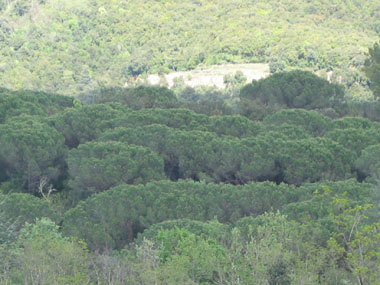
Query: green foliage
{"points": [[314, 160], [97, 166], [30, 103], [368, 109], [84, 124], [294, 89], [356, 240], [45, 257], [318, 197], [199, 259], [14, 106], [368, 162], [353, 123], [236, 126], [174, 118], [310, 225], [16, 209], [124, 211], [271, 155], [141, 97], [313, 123], [267, 253], [152, 136], [185, 153], [355, 139], [284, 131], [276, 158], [212, 229], [70, 49], [372, 69], [208, 100], [200, 155], [273, 249], [31, 150]]}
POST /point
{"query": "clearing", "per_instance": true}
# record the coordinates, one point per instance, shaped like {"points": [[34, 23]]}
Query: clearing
{"points": [[212, 76]]}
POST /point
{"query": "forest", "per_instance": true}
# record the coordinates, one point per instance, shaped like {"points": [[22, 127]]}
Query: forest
{"points": [[141, 185], [92, 44], [105, 179]]}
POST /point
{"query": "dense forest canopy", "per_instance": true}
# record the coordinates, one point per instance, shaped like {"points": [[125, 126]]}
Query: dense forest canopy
{"points": [[90, 44], [274, 181], [140, 185]]}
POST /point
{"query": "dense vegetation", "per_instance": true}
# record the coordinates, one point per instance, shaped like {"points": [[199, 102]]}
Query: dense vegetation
{"points": [[271, 182], [92, 44], [133, 187]]}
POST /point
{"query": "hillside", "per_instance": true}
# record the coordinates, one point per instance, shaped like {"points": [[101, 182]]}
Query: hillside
{"points": [[189, 142], [134, 188], [72, 47]]}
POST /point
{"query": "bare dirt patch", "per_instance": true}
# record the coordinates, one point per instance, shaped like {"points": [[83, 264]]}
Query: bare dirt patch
{"points": [[210, 76]]}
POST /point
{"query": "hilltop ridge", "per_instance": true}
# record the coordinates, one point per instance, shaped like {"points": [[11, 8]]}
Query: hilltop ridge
{"points": [[71, 47]]}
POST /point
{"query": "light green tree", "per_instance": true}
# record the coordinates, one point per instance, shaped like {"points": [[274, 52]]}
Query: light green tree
{"points": [[356, 239], [44, 256]]}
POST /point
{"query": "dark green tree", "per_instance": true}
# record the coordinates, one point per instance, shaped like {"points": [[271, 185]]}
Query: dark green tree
{"points": [[15, 103], [355, 139], [112, 218], [354, 123], [294, 89], [174, 118], [84, 124], [18, 208], [31, 150], [372, 69], [137, 98], [237, 126], [312, 160], [312, 122], [98, 166], [368, 164], [285, 131], [151, 136]]}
